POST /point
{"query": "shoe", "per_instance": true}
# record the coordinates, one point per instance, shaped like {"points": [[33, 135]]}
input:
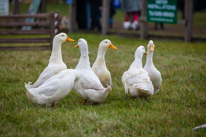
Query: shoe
{"points": [[126, 25], [135, 25]]}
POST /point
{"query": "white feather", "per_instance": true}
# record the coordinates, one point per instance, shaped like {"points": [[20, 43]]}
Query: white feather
{"points": [[127, 25]]}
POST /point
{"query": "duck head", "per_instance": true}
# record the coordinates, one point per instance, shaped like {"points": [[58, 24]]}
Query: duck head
{"points": [[62, 37], [82, 44], [106, 44], [150, 46], [140, 52]]}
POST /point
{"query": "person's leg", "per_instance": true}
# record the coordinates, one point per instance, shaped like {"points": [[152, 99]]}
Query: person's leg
{"points": [[88, 10], [135, 16], [127, 16], [99, 26], [161, 25], [127, 23], [156, 26], [110, 22]]}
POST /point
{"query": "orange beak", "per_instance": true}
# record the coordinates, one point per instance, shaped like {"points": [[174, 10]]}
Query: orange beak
{"points": [[151, 48], [68, 39], [145, 53], [76, 46], [112, 46]]}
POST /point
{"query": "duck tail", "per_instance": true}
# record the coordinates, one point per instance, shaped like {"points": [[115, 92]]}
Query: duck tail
{"points": [[29, 94], [142, 90], [107, 89], [28, 86]]}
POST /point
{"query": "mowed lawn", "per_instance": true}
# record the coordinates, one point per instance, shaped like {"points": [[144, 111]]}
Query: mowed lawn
{"points": [[175, 110]]}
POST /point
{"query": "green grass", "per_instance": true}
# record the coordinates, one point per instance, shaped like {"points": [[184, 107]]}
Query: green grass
{"points": [[174, 111]]}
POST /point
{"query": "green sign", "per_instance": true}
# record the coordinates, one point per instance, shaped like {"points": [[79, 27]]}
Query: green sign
{"points": [[4, 7], [162, 11]]}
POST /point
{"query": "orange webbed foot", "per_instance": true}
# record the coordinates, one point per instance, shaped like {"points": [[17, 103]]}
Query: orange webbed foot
{"points": [[84, 101]]}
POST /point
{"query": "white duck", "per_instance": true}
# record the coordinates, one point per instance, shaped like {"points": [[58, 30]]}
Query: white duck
{"points": [[89, 86], [99, 67], [54, 89], [154, 74], [136, 80], [56, 63]]}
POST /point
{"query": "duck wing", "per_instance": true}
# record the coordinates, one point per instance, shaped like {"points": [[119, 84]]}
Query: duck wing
{"points": [[48, 72], [48, 89], [137, 76], [89, 80]]}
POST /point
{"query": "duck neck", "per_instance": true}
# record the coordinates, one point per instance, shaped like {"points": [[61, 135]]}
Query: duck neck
{"points": [[56, 52], [149, 57], [137, 63], [100, 60], [84, 60], [101, 51]]}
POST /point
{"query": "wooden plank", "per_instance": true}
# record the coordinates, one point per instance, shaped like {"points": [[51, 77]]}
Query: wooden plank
{"points": [[25, 48], [25, 32], [105, 16], [25, 40], [41, 15], [143, 19], [144, 24], [181, 22], [51, 28], [189, 20], [20, 24]]}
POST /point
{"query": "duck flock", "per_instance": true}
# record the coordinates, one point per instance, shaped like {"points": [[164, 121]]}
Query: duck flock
{"points": [[94, 83]]}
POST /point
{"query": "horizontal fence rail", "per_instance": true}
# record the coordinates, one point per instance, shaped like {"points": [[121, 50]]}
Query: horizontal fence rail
{"points": [[26, 32], [40, 15], [19, 24]]}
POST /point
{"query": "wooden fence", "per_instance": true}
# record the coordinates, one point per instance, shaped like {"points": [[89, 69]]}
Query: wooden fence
{"points": [[44, 28]]}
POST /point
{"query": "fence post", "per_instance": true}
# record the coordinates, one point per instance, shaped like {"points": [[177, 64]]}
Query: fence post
{"points": [[72, 15], [58, 22], [105, 16], [52, 28], [16, 7], [189, 20], [144, 23]]}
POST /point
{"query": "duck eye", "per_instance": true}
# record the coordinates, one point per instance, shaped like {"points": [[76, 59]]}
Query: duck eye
{"points": [[62, 35], [106, 41]]}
